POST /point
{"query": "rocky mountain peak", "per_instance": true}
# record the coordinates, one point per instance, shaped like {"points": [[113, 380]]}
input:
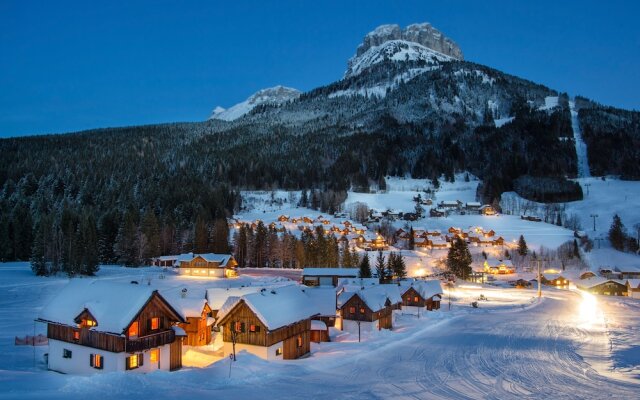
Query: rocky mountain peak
{"points": [[422, 33]]}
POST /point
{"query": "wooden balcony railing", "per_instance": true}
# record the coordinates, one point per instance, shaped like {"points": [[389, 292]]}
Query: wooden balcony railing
{"points": [[150, 341]]}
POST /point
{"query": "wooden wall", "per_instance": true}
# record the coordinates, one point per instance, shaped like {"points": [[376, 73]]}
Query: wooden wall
{"points": [[175, 355], [198, 333], [290, 349], [97, 340], [154, 308], [408, 298]]}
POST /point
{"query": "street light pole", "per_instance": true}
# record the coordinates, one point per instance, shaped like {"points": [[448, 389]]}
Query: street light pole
{"points": [[587, 186], [594, 216]]}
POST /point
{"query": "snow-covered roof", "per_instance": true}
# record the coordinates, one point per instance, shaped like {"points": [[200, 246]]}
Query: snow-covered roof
{"points": [[322, 300], [318, 326], [188, 306], [217, 296], [627, 269], [352, 284], [276, 307], [179, 331], [634, 283], [221, 259], [113, 305], [345, 272], [374, 297], [426, 289], [595, 281]]}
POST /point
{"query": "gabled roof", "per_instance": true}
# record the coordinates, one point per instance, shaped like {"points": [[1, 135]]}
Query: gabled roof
{"points": [[426, 289], [188, 306], [114, 305], [374, 297], [634, 283], [218, 296], [596, 281], [222, 259], [275, 308]]}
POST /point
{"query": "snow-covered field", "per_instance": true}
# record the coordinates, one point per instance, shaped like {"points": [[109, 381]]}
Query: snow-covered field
{"points": [[567, 346]]}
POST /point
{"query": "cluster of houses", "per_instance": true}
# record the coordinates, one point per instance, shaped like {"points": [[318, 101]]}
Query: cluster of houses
{"points": [[447, 207], [346, 231], [95, 326], [435, 239], [206, 265]]}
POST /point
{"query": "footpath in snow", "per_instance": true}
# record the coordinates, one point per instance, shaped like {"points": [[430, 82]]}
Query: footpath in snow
{"points": [[581, 146]]}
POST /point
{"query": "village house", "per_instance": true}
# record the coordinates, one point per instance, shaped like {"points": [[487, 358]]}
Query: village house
{"points": [[418, 294], [164, 261], [603, 286], [450, 204], [587, 275], [98, 326], [327, 276], [633, 288], [473, 207], [273, 324], [368, 308], [557, 280], [437, 212], [195, 311], [437, 242], [495, 266], [209, 265], [627, 272], [488, 209], [324, 304]]}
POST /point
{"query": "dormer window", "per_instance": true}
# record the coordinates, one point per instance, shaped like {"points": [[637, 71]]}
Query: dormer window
{"points": [[87, 323], [155, 323]]}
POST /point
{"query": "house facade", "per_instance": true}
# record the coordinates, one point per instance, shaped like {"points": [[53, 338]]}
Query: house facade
{"points": [[207, 265], [419, 295], [99, 327], [273, 324], [368, 308]]}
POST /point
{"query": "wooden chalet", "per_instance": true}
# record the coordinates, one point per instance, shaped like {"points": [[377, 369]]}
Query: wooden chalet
{"points": [[420, 294], [196, 312], [488, 209], [98, 326], [502, 267], [207, 265], [556, 280], [473, 207], [369, 308], [437, 213], [633, 288], [271, 324], [283, 218], [603, 286]]}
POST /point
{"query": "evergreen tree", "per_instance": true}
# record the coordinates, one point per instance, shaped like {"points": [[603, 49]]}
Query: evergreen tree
{"points": [[89, 264], [522, 247], [617, 233], [150, 240], [576, 250], [126, 247], [365, 268], [399, 267], [201, 234], [412, 241], [459, 259], [38, 263], [220, 237], [345, 252], [390, 269], [559, 220], [381, 267], [240, 246]]}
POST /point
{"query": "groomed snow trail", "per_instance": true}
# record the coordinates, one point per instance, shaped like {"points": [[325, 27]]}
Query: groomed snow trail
{"points": [[581, 146]]}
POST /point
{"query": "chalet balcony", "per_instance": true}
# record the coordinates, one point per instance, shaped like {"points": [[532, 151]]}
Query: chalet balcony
{"points": [[150, 341]]}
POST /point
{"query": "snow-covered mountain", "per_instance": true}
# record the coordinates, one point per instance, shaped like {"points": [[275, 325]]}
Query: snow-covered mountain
{"points": [[275, 95]]}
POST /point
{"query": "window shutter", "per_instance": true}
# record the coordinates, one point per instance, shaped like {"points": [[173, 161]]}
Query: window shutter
{"points": [[148, 325], [141, 359], [257, 328], [91, 360], [101, 362], [242, 327], [128, 362]]}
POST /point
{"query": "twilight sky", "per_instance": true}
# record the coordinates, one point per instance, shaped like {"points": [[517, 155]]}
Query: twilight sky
{"points": [[74, 65]]}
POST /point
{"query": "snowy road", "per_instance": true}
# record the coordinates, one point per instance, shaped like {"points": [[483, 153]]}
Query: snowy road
{"points": [[562, 348]]}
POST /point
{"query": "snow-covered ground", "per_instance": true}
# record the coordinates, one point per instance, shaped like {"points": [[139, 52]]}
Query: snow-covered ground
{"points": [[603, 198], [567, 346]]}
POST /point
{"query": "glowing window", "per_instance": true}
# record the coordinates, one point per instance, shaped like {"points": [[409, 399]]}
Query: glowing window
{"points": [[352, 310], [155, 323], [299, 341], [279, 351], [415, 299], [239, 327], [88, 322], [154, 355], [133, 361], [96, 361], [76, 335], [133, 329], [361, 310], [254, 328]]}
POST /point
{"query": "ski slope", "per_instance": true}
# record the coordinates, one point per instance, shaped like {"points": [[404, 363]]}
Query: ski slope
{"points": [[581, 146], [566, 346]]}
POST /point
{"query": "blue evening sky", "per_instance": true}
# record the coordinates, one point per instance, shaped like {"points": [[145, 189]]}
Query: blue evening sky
{"points": [[73, 65]]}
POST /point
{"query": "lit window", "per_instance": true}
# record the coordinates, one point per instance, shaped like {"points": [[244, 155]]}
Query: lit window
{"points": [[76, 335], [134, 361], [66, 353], [96, 361], [254, 328], [361, 310], [155, 323], [133, 329], [352, 310], [154, 355], [279, 351], [415, 299], [239, 327], [299, 341], [88, 322]]}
